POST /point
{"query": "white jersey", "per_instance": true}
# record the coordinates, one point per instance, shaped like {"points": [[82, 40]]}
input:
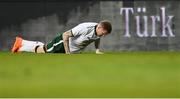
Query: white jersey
{"points": [[83, 35]]}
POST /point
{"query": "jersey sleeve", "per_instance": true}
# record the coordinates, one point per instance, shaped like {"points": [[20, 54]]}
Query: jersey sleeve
{"points": [[78, 30]]}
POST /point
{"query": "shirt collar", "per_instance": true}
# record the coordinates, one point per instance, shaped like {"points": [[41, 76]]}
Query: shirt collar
{"points": [[95, 30]]}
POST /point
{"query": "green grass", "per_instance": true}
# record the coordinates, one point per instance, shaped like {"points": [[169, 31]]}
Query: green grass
{"points": [[121, 74]]}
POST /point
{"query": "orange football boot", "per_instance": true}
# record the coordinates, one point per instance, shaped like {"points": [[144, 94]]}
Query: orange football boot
{"points": [[17, 45]]}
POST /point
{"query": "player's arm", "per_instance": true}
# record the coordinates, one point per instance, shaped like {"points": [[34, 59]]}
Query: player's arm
{"points": [[97, 44], [66, 36]]}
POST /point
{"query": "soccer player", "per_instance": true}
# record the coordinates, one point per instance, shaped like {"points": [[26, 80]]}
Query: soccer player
{"points": [[71, 41]]}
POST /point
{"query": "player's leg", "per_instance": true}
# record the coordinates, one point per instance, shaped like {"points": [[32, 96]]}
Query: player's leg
{"points": [[22, 45], [29, 46], [40, 49], [56, 45]]}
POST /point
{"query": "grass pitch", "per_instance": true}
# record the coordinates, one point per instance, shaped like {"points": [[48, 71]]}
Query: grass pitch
{"points": [[124, 74]]}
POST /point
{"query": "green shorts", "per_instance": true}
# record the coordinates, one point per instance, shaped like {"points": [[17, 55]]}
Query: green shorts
{"points": [[56, 45]]}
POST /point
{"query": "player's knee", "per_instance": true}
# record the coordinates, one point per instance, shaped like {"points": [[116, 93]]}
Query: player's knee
{"points": [[40, 49]]}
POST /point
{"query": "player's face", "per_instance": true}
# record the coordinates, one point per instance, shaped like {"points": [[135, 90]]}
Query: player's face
{"points": [[101, 31]]}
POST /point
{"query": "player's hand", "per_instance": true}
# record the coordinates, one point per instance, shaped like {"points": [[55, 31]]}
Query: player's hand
{"points": [[68, 53], [99, 52]]}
